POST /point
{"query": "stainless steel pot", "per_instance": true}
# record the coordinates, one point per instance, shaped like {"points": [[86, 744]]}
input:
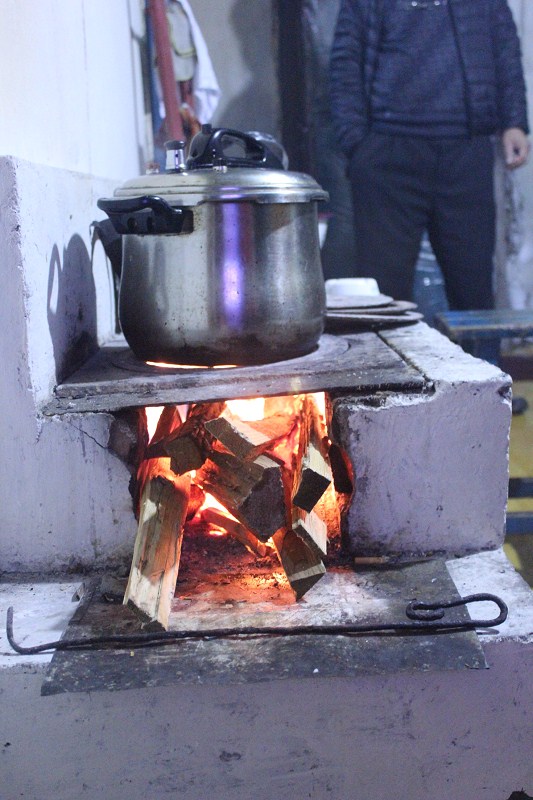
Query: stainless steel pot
{"points": [[221, 259]]}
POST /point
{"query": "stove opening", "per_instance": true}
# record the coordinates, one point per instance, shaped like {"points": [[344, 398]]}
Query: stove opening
{"points": [[238, 500]]}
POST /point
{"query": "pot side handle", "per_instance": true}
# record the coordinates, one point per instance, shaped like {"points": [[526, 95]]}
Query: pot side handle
{"points": [[143, 215]]}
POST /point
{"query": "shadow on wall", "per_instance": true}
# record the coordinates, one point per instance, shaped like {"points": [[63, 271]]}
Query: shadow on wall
{"points": [[71, 307], [255, 107]]}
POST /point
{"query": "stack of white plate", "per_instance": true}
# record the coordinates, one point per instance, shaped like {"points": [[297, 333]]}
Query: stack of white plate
{"points": [[357, 303]]}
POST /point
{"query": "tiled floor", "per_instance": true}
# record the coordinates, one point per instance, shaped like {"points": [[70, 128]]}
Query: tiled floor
{"points": [[519, 548]]}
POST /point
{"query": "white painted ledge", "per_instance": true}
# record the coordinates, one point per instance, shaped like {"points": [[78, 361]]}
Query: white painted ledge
{"points": [[431, 469]]}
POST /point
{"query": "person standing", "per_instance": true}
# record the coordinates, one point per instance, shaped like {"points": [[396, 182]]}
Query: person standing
{"points": [[418, 90]]}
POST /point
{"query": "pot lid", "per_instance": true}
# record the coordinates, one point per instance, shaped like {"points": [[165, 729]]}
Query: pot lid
{"points": [[224, 165], [191, 188]]}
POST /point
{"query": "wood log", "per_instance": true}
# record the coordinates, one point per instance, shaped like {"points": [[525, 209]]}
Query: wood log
{"points": [[169, 421], [150, 464], [156, 555], [186, 453], [302, 566], [240, 438], [235, 529], [311, 529], [187, 446], [248, 440], [313, 477], [253, 491]]}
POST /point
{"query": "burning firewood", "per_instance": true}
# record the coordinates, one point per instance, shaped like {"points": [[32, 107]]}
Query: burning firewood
{"points": [[157, 550], [235, 529], [240, 438], [302, 566], [186, 446], [169, 421], [311, 529], [252, 491], [314, 477], [312, 472], [268, 474], [148, 466]]}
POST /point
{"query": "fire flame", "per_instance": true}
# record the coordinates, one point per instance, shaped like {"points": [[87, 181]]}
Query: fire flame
{"points": [[250, 410], [165, 365], [152, 418], [212, 502]]}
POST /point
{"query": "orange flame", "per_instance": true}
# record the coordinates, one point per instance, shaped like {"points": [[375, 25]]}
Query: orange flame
{"points": [[165, 365], [250, 410]]}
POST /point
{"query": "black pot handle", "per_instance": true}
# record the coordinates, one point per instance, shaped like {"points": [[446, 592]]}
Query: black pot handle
{"points": [[225, 147], [143, 215]]}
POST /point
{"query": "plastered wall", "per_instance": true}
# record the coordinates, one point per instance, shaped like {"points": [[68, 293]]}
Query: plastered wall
{"points": [[70, 84], [72, 127]]}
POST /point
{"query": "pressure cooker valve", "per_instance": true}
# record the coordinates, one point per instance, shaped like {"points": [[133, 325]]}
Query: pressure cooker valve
{"points": [[175, 161]]}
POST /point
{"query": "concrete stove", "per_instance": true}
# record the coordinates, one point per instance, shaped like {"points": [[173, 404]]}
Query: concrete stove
{"points": [[430, 461]]}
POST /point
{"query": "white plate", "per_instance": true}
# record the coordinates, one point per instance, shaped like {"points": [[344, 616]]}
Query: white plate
{"points": [[358, 301], [354, 320], [343, 286]]}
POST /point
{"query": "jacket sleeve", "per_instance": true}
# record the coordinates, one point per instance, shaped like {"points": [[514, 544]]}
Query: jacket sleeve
{"points": [[347, 79], [510, 83]]}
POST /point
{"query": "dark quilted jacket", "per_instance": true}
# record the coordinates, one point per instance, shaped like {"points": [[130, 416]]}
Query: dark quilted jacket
{"points": [[489, 52]]}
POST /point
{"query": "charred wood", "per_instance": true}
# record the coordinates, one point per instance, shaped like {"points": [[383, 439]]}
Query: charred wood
{"points": [[252, 491], [300, 562]]}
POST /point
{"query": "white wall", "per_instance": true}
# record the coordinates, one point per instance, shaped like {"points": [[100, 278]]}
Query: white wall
{"points": [[72, 127], [70, 84], [240, 37]]}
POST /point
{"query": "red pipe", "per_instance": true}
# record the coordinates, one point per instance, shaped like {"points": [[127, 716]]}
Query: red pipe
{"points": [[174, 124]]}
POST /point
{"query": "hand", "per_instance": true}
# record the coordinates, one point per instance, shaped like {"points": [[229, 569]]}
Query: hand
{"points": [[515, 147]]}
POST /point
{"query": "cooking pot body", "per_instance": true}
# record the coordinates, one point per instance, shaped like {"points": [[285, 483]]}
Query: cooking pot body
{"points": [[244, 286]]}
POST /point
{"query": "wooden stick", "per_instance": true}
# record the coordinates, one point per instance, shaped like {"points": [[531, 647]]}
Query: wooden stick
{"points": [[302, 566], [156, 555], [236, 529], [314, 477], [311, 529], [253, 491], [187, 446], [237, 436]]}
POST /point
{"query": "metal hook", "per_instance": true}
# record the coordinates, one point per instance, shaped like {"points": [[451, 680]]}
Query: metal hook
{"points": [[416, 611]]}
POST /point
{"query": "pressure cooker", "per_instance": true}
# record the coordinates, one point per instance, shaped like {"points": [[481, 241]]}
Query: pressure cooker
{"points": [[220, 255]]}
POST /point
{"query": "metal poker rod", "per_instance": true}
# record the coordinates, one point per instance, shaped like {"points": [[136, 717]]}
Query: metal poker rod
{"points": [[422, 618]]}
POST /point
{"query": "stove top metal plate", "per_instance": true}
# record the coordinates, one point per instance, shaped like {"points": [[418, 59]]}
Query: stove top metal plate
{"points": [[115, 379]]}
